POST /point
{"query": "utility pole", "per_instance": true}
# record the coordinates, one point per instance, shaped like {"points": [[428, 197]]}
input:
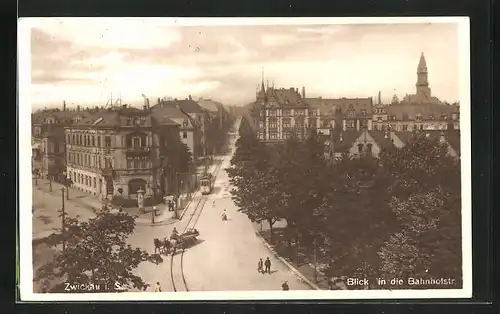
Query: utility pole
{"points": [[63, 215], [315, 263]]}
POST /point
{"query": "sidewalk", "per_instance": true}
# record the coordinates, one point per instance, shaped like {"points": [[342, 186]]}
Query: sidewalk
{"points": [[305, 271], [94, 204]]}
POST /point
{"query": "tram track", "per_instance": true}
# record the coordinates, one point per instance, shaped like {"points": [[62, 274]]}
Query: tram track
{"points": [[179, 283]]}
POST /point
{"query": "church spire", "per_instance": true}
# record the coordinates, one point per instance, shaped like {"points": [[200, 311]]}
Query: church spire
{"points": [[422, 65], [262, 87], [423, 90]]}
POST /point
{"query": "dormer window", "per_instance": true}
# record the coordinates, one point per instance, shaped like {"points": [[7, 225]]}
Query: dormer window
{"points": [[444, 116], [360, 148], [363, 112], [350, 113], [185, 123], [431, 117], [418, 117]]}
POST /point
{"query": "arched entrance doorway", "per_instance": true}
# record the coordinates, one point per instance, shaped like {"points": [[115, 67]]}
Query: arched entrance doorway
{"points": [[135, 184]]}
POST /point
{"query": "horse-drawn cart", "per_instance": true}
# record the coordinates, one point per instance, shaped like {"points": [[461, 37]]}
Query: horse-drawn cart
{"points": [[175, 242]]}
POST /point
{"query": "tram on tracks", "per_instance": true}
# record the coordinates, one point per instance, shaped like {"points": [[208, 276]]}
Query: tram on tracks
{"points": [[206, 184]]}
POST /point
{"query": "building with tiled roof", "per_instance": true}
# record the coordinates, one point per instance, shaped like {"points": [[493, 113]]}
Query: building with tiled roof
{"points": [[47, 133], [278, 112], [348, 113], [449, 137], [195, 137], [120, 151], [419, 111]]}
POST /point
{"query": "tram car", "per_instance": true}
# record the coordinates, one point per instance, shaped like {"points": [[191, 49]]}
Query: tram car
{"points": [[206, 183]]}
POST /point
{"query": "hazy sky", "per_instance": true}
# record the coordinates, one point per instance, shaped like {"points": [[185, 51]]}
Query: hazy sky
{"points": [[84, 61]]}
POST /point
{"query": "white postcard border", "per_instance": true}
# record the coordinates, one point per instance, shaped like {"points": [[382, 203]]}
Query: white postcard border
{"points": [[25, 184]]}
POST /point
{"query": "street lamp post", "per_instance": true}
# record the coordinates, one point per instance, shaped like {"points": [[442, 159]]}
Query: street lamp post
{"points": [[63, 215]]}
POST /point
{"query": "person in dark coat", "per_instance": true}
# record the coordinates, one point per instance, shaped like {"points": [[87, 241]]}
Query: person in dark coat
{"points": [[260, 266], [267, 263], [285, 286]]}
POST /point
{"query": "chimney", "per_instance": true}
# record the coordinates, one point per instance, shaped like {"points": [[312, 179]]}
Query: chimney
{"points": [[158, 101], [303, 92], [124, 106], [190, 98], [78, 108], [145, 107], [379, 98], [64, 105]]}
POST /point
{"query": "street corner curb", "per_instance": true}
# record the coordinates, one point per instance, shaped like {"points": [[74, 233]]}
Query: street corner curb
{"points": [[287, 264], [165, 222]]}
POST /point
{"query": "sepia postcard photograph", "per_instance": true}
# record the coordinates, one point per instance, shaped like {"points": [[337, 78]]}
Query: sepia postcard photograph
{"points": [[244, 159]]}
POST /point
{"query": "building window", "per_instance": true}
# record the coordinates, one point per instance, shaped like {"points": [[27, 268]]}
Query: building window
{"points": [[95, 183], [338, 110], [136, 141], [444, 116], [369, 148], [379, 119], [286, 134], [418, 118], [287, 123], [286, 112], [184, 134], [272, 113], [107, 141], [431, 117], [312, 122], [392, 118], [93, 141], [300, 112], [273, 135], [273, 123], [421, 127], [363, 112], [350, 123], [360, 148], [363, 124], [98, 141], [405, 127], [350, 113], [375, 127]]}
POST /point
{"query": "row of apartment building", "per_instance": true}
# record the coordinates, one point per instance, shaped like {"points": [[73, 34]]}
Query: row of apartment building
{"points": [[122, 149], [277, 112]]}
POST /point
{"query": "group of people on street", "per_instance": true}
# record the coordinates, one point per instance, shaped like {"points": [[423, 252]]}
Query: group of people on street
{"points": [[261, 264], [264, 267]]}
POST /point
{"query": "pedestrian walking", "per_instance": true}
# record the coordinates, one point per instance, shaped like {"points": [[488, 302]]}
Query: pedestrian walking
{"points": [[157, 287], [267, 263], [260, 266]]}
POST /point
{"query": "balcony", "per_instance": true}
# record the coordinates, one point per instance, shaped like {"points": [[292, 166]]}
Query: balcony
{"points": [[138, 149]]}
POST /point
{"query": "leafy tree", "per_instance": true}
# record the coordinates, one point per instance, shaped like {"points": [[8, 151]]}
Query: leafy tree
{"points": [[95, 252], [427, 201], [356, 218]]}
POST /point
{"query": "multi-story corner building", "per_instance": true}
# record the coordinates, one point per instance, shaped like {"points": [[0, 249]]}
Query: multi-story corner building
{"points": [[279, 112], [419, 111], [117, 151], [48, 145]]}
